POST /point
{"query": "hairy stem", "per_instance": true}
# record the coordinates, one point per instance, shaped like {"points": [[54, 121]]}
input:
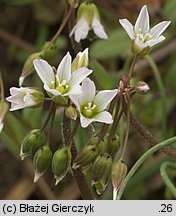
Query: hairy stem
{"points": [[141, 160], [79, 176]]}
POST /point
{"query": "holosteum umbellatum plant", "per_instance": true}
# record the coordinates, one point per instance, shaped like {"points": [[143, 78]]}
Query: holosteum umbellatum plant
{"points": [[102, 157]]}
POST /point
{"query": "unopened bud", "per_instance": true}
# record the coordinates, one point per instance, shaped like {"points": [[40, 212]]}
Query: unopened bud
{"points": [[61, 163], [71, 113], [142, 87], [49, 50], [119, 171], [41, 161], [28, 66], [114, 145], [33, 140], [101, 172], [85, 156], [93, 141], [81, 60]]}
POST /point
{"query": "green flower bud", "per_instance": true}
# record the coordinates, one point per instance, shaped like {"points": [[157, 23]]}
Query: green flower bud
{"points": [[119, 171], [49, 52], [85, 156], [60, 163], [114, 146], [33, 140], [71, 113], [81, 60], [101, 172], [28, 66], [42, 161], [93, 141]]}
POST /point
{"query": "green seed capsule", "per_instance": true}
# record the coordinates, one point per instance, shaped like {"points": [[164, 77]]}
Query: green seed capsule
{"points": [[42, 161], [114, 146], [85, 156], [71, 113], [60, 163], [101, 172], [33, 140], [119, 171]]}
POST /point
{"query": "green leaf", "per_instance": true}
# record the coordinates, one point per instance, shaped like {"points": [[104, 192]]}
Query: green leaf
{"points": [[102, 77], [169, 10], [118, 43]]}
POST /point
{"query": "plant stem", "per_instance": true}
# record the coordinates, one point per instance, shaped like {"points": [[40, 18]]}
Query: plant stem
{"points": [[141, 160], [132, 68], [79, 176], [127, 127], [49, 116], [162, 94], [165, 176]]}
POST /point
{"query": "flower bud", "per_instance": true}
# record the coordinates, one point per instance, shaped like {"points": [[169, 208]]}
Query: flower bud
{"points": [[119, 171], [33, 140], [4, 107], [101, 172], [114, 145], [61, 163], [71, 113], [142, 87], [28, 66], [81, 60], [42, 161], [49, 50], [93, 141], [85, 156]]}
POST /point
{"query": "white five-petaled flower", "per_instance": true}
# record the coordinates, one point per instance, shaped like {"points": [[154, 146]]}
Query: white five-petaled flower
{"points": [[25, 97], [88, 18], [141, 34], [91, 105], [64, 82]]}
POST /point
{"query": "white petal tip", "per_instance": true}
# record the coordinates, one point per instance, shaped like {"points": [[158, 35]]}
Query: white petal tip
{"points": [[21, 80], [114, 194], [58, 179], [37, 176]]}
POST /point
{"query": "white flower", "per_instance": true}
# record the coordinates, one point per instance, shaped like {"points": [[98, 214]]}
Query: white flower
{"points": [[3, 110], [25, 97], [141, 34], [63, 83], [91, 105], [88, 18]]}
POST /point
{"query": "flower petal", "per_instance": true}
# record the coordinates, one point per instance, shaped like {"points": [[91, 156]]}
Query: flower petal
{"points": [[142, 22], [128, 28], [140, 44], [88, 91], [85, 121], [80, 30], [64, 68], [74, 91], [44, 71], [103, 98], [52, 91], [76, 100], [104, 117], [78, 76], [1, 126], [98, 28], [155, 41], [17, 106], [158, 29]]}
